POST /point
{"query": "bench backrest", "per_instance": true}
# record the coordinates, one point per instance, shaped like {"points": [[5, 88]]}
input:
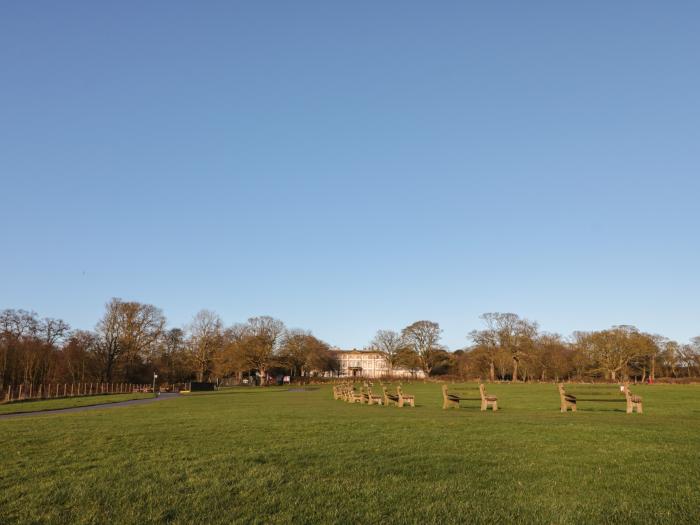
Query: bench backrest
{"points": [[562, 392], [482, 391], [629, 396]]}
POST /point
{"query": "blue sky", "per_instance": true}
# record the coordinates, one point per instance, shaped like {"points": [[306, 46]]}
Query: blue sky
{"points": [[349, 167]]}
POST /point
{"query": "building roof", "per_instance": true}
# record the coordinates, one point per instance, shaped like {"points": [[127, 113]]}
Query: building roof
{"points": [[356, 351]]}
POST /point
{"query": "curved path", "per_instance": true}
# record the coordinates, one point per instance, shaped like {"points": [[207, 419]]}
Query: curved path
{"points": [[162, 397]]}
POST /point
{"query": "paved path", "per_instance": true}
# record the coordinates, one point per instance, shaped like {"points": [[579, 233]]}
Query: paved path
{"points": [[162, 397]]}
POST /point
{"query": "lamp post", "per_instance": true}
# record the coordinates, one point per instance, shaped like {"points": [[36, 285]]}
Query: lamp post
{"points": [[155, 376]]}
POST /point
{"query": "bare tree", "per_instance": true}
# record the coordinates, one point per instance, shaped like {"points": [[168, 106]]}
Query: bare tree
{"points": [[260, 341], [205, 341], [78, 356], [612, 350], [53, 331], [486, 344], [390, 344], [128, 331], [423, 337], [304, 354], [508, 332]]}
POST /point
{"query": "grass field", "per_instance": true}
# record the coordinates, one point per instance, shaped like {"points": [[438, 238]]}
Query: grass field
{"points": [[68, 402], [278, 456]]}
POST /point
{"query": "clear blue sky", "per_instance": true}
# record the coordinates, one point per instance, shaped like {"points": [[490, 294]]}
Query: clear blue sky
{"points": [[353, 166]]}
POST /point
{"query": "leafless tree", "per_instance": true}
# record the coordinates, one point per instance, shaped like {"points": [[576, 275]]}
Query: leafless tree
{"points": [[390, 344], [423, 337], [205, 341], [127, 330], [507, 332], [261, 340]]}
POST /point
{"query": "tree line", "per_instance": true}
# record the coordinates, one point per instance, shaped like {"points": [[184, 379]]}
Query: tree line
{"points": [[132, 340], [509, 347]]}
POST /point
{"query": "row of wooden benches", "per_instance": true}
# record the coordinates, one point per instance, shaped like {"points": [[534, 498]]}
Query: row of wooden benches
{"points": [[347, 392], [568, 401]]}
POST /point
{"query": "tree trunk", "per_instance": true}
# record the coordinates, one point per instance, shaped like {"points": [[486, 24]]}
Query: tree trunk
{"points": [[492, 372], [652, 372], [515, 369]]}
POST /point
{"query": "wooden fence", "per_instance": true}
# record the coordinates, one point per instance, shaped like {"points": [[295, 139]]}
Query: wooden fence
{"points": [[25, 392]]}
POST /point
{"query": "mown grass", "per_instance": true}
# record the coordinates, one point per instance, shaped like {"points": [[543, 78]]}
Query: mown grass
{"points": [[278, 456], [68, 402]]}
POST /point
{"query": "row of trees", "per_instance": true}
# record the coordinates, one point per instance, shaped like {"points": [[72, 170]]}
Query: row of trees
{"points": [[132, 339], [513, 348]]}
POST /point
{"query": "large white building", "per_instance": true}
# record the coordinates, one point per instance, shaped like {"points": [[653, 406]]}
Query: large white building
{"points": [[370, 364]]}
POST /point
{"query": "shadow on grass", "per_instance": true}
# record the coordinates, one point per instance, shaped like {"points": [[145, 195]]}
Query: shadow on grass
{"points": [[594, 410]]}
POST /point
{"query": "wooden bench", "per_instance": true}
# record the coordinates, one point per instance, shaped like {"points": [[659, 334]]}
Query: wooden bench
{"points": [[570, 401], [342, 391], [390, 398], [452, 399], [405, 398], [352, 396], [634, 402], [369, 398], [566, 401]]}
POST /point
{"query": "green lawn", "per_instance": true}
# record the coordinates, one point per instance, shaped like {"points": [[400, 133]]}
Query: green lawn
{"points": [[69, 402], [277, 456]]}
